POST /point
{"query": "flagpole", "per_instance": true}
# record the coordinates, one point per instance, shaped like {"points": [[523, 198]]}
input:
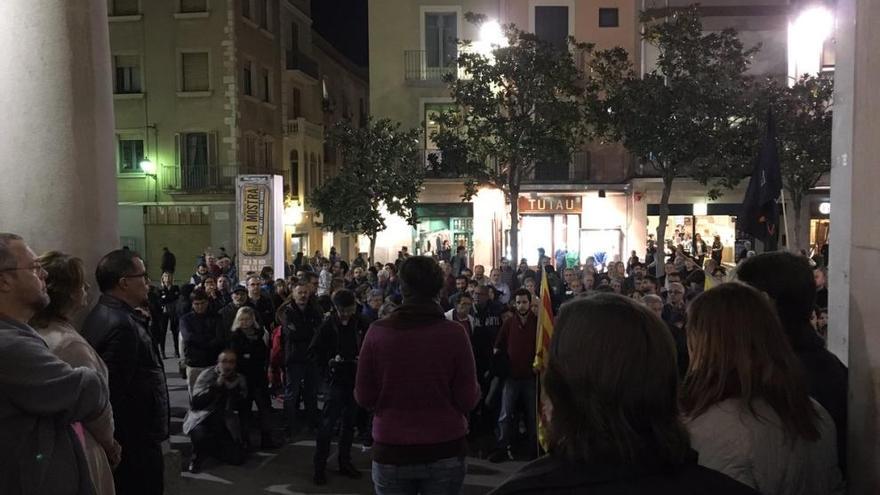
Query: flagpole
{"points": [[785, 219]]}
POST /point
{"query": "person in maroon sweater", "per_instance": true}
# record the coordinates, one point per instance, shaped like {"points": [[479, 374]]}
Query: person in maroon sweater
{"points": [[416, 373], [517, 339]]}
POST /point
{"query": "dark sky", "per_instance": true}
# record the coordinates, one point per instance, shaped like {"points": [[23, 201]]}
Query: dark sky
{"points": [[344, 24]]}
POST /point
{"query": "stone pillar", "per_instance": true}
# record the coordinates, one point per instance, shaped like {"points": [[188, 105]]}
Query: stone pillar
{"points": [[57, 164], [855, 233]]}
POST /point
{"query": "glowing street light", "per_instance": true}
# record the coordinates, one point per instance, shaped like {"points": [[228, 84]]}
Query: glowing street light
{"points": [[807, 34], [491, 36]]}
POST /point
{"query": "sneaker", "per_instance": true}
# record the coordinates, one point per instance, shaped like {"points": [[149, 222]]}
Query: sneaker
{"points": [[348, 469], [320, 478], [500, 455]]}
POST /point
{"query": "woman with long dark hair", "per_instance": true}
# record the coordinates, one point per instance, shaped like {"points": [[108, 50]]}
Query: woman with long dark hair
{"points": [[614, 422], [746, 401]]}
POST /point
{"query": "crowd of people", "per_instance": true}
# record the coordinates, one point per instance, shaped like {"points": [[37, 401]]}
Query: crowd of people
{"points": [[688, 376]]}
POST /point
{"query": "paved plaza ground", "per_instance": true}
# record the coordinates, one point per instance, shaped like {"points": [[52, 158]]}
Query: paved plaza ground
{"points": [[288, 470]]}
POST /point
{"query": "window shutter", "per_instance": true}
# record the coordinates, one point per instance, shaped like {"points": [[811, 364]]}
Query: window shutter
{"points": [[212, 149], [125, 7], [195, 71], [193, 5], [178, 149]]}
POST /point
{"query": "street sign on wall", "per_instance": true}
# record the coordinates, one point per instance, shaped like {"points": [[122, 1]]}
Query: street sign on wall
{"points": [[260, 205]]}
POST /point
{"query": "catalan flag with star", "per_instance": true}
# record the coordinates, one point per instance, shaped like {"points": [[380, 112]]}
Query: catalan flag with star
{"points": [[542, 351]]}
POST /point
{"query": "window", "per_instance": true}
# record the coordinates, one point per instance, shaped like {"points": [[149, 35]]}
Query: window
{"points": [[194, 150], [608, 18], [128, 74], [189, 6], [432, 121], [263, 13], [250, 151], [268, 154], [551, 24], [246, 9], [294, 174], [295, 104], [194, 70], [266, 85], [441, 38], [247, 78], [131, 152], [294, 36], [124, 7]]}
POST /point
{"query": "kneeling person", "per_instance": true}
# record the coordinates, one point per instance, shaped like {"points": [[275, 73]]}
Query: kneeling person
{"points": [[211, 422]]}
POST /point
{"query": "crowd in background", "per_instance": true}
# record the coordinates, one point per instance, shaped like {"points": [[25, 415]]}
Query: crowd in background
{"points": [[662, 377]]}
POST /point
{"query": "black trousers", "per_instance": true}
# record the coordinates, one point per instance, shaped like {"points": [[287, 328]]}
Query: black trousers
{"points": [[340, 406], [258, 391], [142, 469], [211, 438]]}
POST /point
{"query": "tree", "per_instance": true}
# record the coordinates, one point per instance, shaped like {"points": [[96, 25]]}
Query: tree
{"points": [[380, 175], [685, 118], [518, 106], [803, 125]]}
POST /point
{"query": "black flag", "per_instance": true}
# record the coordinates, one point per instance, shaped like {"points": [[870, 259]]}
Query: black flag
{"points": [[759, 213]]}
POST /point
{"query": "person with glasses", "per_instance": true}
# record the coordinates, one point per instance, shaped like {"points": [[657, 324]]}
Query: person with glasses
{"points": [[138, 391], [40, 395]]}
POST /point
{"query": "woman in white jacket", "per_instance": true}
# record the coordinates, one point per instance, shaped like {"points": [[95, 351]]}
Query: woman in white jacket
{"points": [[746, 401]]}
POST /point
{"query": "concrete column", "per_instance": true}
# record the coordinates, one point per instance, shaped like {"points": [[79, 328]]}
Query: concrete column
{"points": [[855, 233], [58, 186]]}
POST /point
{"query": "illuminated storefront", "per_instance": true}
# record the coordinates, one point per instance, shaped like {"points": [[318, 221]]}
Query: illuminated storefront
{"points": [[708, 220]]}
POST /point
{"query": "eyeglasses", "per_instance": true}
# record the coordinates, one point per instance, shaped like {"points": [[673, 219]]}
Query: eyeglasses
{"points": [[142, 275], [36, 268]]}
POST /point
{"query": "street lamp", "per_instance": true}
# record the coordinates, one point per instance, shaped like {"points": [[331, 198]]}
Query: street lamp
{"points": [[807, 34], [149, 169], [491, 36]]}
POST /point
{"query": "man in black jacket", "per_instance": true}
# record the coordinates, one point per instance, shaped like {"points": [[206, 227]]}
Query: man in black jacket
{"points": [[788, 280], [261, 302], [169, 261], [335, 348], [202, 338], [138, 391], [300, 322]]}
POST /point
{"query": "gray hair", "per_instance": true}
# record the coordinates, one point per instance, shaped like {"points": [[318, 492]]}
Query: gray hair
{"points": [[7, 259]]}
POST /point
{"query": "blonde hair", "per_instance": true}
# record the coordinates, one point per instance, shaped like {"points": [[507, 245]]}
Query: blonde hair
{"points": [[242, 312]]}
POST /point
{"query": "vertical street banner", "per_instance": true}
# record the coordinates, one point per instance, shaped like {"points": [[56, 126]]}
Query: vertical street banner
{"points": [[260, 232]]}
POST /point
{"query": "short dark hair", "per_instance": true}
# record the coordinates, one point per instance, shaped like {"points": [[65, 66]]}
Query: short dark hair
{"points": [[113, 267], [344, 298], [652, 279], [461, 277], [420, 277], [613, 381], [7, 259], [788, 280], [198, 295], [465, 295], [522, 292]]}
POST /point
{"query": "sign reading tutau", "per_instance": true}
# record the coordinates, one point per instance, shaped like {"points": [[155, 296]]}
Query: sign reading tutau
{"points": [[550, 204]]}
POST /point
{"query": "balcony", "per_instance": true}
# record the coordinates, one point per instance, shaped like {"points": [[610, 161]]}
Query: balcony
{"points": [[300, 128], [417, 72], [302, 66], [578, 170], [200, 179]]}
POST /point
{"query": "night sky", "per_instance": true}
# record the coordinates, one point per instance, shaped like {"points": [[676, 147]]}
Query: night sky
{"points": [[344, 24]]}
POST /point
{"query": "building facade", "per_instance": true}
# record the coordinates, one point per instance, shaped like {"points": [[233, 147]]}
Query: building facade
{"points": [[413, 45], [205, 90]]}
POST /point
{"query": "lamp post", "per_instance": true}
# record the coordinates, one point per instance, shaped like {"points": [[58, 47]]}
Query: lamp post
{"points": [[149, 169]]}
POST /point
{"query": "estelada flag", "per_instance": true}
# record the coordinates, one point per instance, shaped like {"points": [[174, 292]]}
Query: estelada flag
{"points": [[759, 213], [542, 350]]}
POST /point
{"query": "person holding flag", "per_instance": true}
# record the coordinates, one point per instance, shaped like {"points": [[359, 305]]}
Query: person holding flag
{"points": [[542, 354], [759, 213]]}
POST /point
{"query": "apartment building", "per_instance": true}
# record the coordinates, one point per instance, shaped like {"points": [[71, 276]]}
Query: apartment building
{"points": [[205, 90], [581, 206]]}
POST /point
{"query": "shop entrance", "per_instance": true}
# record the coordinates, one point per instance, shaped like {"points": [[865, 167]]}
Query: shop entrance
{"points": [[550, 232]]}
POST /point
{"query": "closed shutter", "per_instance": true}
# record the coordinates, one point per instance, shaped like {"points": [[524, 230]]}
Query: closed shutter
{"points": [[193, 5], [125, 7], [128, 77], [195, 71]]}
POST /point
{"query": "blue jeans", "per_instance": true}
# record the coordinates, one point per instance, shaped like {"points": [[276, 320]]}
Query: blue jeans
{"points": [[443, 477], [514, 391]]}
